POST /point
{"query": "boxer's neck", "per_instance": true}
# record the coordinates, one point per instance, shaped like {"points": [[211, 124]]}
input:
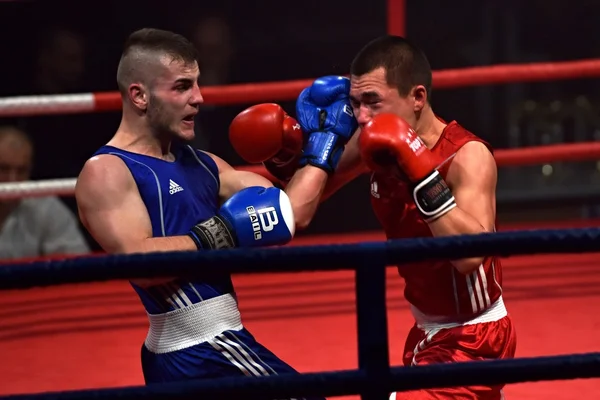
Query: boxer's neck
{"points": [[429, 127], [139, 138]]}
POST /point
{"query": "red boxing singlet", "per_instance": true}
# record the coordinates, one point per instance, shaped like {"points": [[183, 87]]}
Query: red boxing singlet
{"points": [[435, 288]]}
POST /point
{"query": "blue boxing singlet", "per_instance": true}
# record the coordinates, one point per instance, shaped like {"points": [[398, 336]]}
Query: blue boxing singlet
{"points": [[177, 194], [196, 330]]}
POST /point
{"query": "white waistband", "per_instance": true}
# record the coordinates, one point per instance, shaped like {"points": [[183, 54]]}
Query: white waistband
{"points": [[496, 312], [189, 326]]}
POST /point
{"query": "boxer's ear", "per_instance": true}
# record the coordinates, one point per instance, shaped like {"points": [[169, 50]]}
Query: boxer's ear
{"points": [[419, 93], [138, 95]]}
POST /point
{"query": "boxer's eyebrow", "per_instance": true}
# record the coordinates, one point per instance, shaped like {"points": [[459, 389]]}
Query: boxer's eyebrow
{"points": [[186, 81], [366, 96], [370, 95]]}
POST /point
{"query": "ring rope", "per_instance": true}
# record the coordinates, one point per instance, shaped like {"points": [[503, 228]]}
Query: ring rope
{"points": [[350, 382], [49, 187], [338, 256], [296, 258], [288, 90], [585, 151]]}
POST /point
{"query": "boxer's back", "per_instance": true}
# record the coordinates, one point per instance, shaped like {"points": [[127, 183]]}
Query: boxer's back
{"points": [[177, 195], [435, 287]]}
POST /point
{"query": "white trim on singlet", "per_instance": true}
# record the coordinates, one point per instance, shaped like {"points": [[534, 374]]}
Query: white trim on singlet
{"points": [[203, 165], [160, 202]]}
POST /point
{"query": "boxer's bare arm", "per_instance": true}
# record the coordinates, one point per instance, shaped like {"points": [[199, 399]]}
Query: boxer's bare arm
{"points": [[472, 176], [232, 181], [111, 209], [350, 167], [311, 185]]}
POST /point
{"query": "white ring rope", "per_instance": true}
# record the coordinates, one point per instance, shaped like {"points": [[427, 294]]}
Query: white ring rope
{"points": [[535, 155], [50, 187], [47, 104]]}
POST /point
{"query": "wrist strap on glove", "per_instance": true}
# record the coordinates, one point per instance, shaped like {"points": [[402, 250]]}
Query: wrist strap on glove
{"points": [[433, 197], [214, 233], [323, 150]]}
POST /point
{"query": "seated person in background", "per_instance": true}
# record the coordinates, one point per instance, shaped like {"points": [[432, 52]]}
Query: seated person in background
{"points": [[32, 227]]}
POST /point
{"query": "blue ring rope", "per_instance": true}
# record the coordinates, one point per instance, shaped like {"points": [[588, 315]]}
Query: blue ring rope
{"points": [[343, 383], [332, 257], [294, 259]]}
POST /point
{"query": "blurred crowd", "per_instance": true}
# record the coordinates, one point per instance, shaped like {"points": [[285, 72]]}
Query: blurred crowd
{"points": [[60, 46]]}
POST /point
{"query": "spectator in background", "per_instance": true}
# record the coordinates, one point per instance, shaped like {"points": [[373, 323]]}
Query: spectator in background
{"points": [[32, 227]]}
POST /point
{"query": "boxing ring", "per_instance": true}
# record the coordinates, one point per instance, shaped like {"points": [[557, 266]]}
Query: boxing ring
{"points": [[358, 266]]}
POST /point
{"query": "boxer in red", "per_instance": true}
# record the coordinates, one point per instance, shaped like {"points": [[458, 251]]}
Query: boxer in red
{"points": [[429, 178]]}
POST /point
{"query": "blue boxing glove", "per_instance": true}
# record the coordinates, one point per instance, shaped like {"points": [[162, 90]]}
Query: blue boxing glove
{"points": [[254, 216], [325, 115]]}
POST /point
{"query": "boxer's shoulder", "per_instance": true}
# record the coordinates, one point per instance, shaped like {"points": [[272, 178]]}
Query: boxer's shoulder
{"points": [[104, 173], [474, 157]]}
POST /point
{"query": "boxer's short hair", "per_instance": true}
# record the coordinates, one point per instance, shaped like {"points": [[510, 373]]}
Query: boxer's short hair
{"points": [[406, 66], [147, 44], [162, 41]]}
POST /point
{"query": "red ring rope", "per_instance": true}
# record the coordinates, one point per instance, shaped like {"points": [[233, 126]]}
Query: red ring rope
{"points": [[289, 90], [586, 151], [442, 79]]}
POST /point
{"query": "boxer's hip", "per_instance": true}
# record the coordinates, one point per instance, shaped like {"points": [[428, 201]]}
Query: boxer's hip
{"points": [[186, 327], [492, 340], [495, 312], [230, 353], [490, 335]]}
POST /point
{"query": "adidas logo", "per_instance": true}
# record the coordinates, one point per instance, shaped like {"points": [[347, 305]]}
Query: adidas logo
{"points": [[173, 187]]}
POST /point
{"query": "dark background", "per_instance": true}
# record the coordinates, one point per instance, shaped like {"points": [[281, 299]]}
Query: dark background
{"points": [[74, 46]]}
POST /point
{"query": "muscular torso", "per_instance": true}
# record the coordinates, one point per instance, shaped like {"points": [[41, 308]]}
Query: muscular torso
{"points": [[177, 194], [435, 288]]}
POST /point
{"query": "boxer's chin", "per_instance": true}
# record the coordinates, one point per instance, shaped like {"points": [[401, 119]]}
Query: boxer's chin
{"points": [[186, 131]]}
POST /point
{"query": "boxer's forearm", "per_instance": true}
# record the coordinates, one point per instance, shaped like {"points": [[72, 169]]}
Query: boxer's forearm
{"points": [[458, 222], [305, 190], [161, 244], [232, 181], [158, 244]]}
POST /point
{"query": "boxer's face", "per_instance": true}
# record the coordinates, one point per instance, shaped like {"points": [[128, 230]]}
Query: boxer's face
{"points": [[174, 99], [370, 95]]}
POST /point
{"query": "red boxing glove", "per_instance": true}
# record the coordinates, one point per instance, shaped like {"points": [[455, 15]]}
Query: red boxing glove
{"points": [[387, 140], [265, 133]]}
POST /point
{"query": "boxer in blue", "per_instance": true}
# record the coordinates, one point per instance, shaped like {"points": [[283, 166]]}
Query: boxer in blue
{"points": [[147, 191]]}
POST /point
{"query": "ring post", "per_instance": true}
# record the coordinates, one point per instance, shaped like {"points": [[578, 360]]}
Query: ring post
{"points": [[371, 316]]}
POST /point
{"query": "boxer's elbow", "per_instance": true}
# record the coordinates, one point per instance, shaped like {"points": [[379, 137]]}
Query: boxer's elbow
{"points": [[467, 266], [303, 219], [304, 211]]}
